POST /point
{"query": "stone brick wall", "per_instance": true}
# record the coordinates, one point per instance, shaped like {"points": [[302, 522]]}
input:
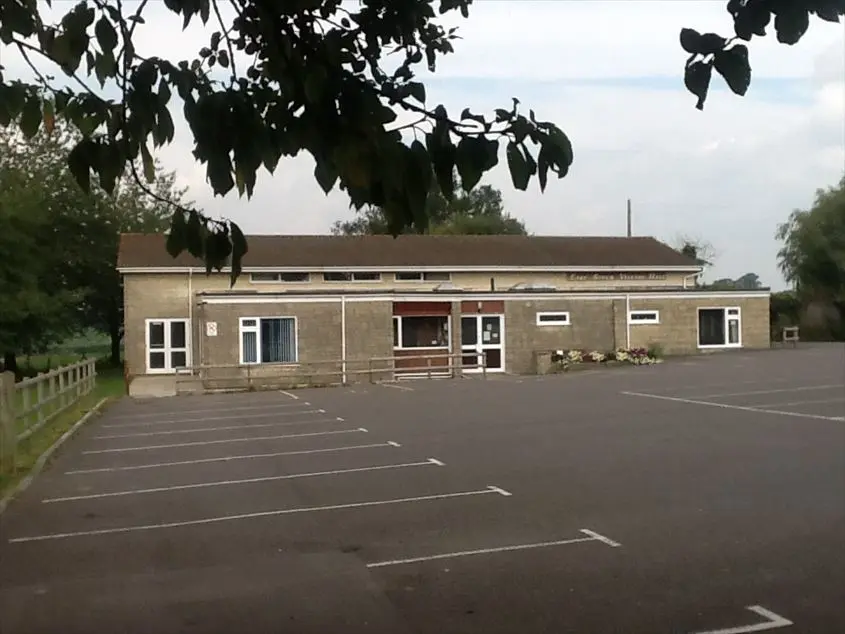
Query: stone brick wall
{"points": [[369, 334], [145, 298], [677, 332], [591, 326]]}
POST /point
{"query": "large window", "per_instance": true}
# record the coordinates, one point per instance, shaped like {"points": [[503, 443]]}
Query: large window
{"points": [[421, 332], [719, 328], [167, 345], [268, 340]]}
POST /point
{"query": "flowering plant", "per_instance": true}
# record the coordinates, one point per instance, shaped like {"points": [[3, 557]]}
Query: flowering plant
{"points": [[563, 359]]}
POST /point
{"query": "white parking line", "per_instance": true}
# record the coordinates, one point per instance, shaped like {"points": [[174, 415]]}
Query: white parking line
{"points": [[197, 430], [215, 410], [773, 621], [593, 537], [293, 396], [245, 516], [176, 421], [737, 407], [221, 442], [786, 389], [219, 483], [252, 456], [398, 387], [792, 403]]}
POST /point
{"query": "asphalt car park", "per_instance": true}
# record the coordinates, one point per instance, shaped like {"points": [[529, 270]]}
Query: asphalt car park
{"points": [[700, 495]]}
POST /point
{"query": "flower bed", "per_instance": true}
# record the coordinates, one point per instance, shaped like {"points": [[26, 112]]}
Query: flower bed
{"points": [[563, 360]]}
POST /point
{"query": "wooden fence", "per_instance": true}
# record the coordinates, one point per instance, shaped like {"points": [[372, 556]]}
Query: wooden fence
{"points": [[327, 372], [29, 405]]}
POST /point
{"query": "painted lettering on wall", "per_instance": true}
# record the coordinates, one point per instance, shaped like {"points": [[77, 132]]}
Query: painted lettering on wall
{"points": [[615, 277]]}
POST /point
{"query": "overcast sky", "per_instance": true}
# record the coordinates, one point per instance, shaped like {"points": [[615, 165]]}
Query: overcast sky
{"points": [[610, 75]]}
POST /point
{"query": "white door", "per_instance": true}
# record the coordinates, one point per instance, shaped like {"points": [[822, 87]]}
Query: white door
{"points": [[483, 334]]}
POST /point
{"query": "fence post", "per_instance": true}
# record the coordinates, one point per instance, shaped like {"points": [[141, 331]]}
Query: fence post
{"points": [[26, 404], [8, 433], [39, 397]]}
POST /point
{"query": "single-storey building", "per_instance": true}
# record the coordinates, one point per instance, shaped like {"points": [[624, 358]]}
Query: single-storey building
{"points": [[351, 308]]}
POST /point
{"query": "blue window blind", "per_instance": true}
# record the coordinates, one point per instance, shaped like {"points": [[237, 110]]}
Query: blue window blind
{"points": [[269, 340]]}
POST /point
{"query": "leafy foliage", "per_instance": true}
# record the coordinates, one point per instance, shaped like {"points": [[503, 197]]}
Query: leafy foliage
{"points": [[750, 17], [299, 76], [813, 253], [747, 282], [480, 211], [63, 243]]}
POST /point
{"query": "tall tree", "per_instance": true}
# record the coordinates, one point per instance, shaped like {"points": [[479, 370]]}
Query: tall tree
{"points": [[76, 234], [480, 211], [277, 78], [38, 307], [812, 257]]}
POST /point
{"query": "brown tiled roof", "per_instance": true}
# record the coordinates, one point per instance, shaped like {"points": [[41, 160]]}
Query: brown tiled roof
{"points": [[293, 251]]}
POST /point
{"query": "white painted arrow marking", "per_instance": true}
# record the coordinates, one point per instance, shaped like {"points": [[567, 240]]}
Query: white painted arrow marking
{"points": [[773, 621]]}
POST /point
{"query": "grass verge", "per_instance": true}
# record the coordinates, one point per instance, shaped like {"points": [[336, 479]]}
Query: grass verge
{"points": [[109, 385]]}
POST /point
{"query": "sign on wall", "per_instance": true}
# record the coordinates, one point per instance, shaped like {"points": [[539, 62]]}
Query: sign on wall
{"points": [[211, 329], [607, 277]]}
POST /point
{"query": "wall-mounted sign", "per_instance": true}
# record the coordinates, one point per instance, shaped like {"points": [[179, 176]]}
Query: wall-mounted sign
{"points": [[615, 277], [211, 329]]}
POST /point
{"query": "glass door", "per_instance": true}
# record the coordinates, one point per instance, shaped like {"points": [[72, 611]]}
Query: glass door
{"points": [[483, 334]]}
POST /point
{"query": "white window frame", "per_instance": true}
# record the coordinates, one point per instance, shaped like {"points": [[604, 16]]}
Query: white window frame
{"points": [[421, 276], [397, 319], [352, 277], [168, 349], [729, 314], [278, 278], [257, 330], [563, 318], [641, 322]]}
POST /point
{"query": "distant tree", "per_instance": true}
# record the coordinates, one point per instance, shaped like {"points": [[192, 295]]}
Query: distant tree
{"points": [[481, 211], [812, 257], [278, 78], [747, 282]]}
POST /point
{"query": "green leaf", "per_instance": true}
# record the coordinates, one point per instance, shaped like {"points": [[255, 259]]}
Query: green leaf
{"points": [[177, 239], [149, 165], [518, 166], [690, 41], [79, 163], [217, 249], [417, 91], [195, 235], [326, 174], [474, 156], [239, 249], [733, 65], [418, 183], [466, 114], [697, 81], [106, 35], [791, 22], [31, 117], [543, 167]]}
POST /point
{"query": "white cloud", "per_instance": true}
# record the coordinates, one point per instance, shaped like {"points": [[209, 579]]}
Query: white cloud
{"points": [[610, 74]]}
